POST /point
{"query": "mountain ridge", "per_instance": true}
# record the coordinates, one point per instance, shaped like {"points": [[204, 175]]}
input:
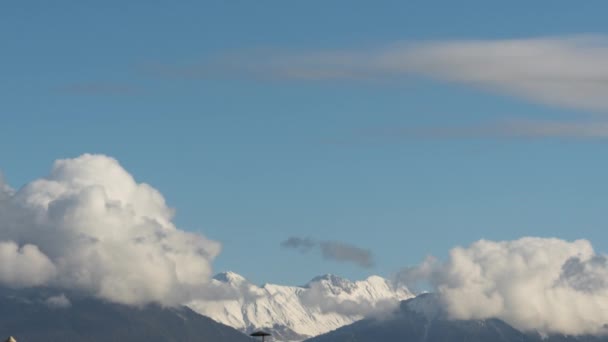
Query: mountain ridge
{"points": [[295, 313], [29, 316]]}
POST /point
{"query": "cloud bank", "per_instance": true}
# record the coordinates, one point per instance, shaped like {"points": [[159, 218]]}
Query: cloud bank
{"points": [[89, 226], [569, 71], [333, 250], [534, 284]]}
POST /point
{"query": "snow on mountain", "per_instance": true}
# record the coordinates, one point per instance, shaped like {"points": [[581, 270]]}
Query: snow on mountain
{"points": [[294, 313]]}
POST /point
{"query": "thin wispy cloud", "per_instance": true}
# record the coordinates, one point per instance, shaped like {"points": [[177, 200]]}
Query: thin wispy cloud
{"points": [[339, 251], [332, 250], [514, 129], [98, 88], [567, 71], [301, 244], [564, 71]]}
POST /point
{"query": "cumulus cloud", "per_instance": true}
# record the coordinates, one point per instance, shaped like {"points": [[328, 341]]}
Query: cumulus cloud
{"points": [[24, 266], [333, 250], [570, 71], [534, 284], [5, 190], [90, 226], [586, 275]]}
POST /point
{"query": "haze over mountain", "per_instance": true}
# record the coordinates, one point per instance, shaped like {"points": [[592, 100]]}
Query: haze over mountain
{"points": [[294, 313], [422, 319]]}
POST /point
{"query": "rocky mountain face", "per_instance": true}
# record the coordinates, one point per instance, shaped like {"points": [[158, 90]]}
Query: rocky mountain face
{"points": [[36, 315], [421, 319], [294, 313]]}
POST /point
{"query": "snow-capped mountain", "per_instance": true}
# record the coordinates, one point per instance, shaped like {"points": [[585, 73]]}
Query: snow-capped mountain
{"points": [[294, 313]]}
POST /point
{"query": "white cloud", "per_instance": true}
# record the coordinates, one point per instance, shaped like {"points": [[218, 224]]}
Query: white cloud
{"points": [[547, 285], [58, 302], [90, 226], [566, 71], [24, 266], [5, 190], [570, 71]]}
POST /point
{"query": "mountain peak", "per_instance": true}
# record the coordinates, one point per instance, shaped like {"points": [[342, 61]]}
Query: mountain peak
{"points": [[375, 279], [427, 304], [330, 279], [229, 277]]}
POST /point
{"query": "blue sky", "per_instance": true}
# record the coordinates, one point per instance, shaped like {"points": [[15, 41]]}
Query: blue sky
{"points": [[250, 161]]}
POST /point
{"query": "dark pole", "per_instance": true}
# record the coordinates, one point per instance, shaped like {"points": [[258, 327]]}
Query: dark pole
{"points": [[261, 334]]}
